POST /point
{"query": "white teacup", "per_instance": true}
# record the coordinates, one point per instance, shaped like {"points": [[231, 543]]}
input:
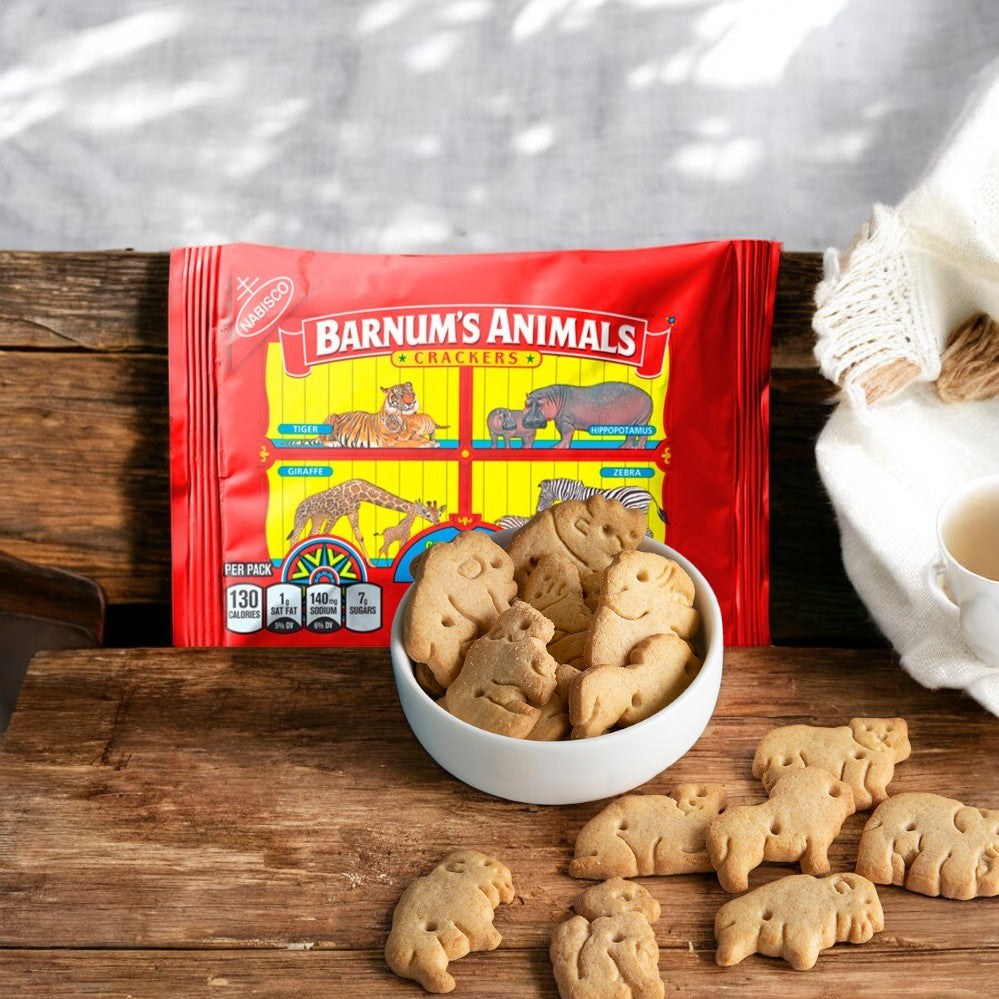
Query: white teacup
{"points": [[968, 534]]}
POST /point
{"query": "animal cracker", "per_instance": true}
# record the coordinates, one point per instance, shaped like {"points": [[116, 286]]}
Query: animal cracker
{"points": [[446, 914], [643, 834]]}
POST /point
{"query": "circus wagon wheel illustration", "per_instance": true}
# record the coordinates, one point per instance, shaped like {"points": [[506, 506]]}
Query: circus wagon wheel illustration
{"points": [[323, 560]]}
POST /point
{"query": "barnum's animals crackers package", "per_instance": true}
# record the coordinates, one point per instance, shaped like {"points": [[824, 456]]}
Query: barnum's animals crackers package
{"points": [[333, 415]]}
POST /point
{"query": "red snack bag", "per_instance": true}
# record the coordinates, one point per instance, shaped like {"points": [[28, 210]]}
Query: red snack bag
{"points": [[333, 414]]}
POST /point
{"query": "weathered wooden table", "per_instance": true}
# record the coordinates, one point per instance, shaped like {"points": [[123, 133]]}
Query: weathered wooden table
{"points": [[206, 822]]}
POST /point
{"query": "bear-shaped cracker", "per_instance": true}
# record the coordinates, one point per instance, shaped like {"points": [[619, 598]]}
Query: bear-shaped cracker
{"points": [[805, 812], [609, 947], [553, 587], [659, 669], [588, 533], [643, 594], [796, 917], [643, 834], [459, 588], [863, 753], [446, 914], [507, 676], [932, 845]]}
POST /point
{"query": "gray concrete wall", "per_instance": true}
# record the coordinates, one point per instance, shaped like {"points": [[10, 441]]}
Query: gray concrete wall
{"points": [[464, 125]]}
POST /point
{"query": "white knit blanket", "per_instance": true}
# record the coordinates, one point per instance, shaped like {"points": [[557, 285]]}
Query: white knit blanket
{"points": [[913, 273]]}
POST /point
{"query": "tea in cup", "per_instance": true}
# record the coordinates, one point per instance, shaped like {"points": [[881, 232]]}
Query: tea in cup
{"points": [[968, 536]]}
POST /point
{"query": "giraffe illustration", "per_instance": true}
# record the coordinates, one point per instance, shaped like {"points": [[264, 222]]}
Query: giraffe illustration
{"points": [[399, 534], [324, 509]]}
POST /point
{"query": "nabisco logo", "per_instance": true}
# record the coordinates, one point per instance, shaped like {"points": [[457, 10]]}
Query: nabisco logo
{"points": [[263, 304]]}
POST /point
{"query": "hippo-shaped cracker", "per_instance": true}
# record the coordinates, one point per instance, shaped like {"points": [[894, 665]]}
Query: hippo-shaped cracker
{"points": [[659, 669], [508, 674], [863, 753], [643, 594], [588, 533], [445, 915], [609, 948], [806, 810], [796, 917], [932, 845], [642, 834], [459, 589]]}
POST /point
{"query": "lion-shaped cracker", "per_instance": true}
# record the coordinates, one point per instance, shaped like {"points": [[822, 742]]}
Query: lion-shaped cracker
{"points": [[508, 674], [644, 594], [660, 669], [588, 533], [459, 588], [642, 834], [796, 917], [863, 753], [445, 915], [932, 845], [553, 722], [806, 810], [553, 587], [609, 949]]}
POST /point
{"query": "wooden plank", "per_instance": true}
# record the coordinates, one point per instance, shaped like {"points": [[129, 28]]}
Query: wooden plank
{"points": [[213, 799], [116, 300], [85, 467], [811, 600], [104, 301], [513, 973], [86, 433], [87, 464], [792, 341]]}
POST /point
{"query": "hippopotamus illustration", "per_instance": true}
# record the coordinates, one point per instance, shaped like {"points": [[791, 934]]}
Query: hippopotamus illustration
{"points": [[504, 424], [576, 407]]}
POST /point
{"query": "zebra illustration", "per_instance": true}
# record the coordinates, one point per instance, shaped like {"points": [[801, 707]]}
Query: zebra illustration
{"points": [[555, 490]]}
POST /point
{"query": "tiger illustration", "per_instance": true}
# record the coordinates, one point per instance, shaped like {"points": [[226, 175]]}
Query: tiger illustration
{"points": [[399, 423]]}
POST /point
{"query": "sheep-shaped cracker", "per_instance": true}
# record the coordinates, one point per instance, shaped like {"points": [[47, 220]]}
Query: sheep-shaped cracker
{"points": [[806, 810], [863, 753], [660, 668]]}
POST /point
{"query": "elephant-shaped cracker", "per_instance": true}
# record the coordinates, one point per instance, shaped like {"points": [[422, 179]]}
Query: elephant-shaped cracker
{"points": [[446, 914], [642, 834], [588, 533], [508, 674], [608, 949], [863, 753], [796, 917], [932, 845], [601, 697], [459, 589], [643, 594], [805, 812], [553, 587]]}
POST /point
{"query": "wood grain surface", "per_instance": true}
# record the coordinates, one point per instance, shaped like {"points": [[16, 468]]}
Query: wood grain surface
{"points": [[237, 822], [83, 403]]}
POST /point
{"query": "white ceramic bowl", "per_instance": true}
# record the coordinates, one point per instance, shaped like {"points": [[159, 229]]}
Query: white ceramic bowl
{"points": [[577, 770]]}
